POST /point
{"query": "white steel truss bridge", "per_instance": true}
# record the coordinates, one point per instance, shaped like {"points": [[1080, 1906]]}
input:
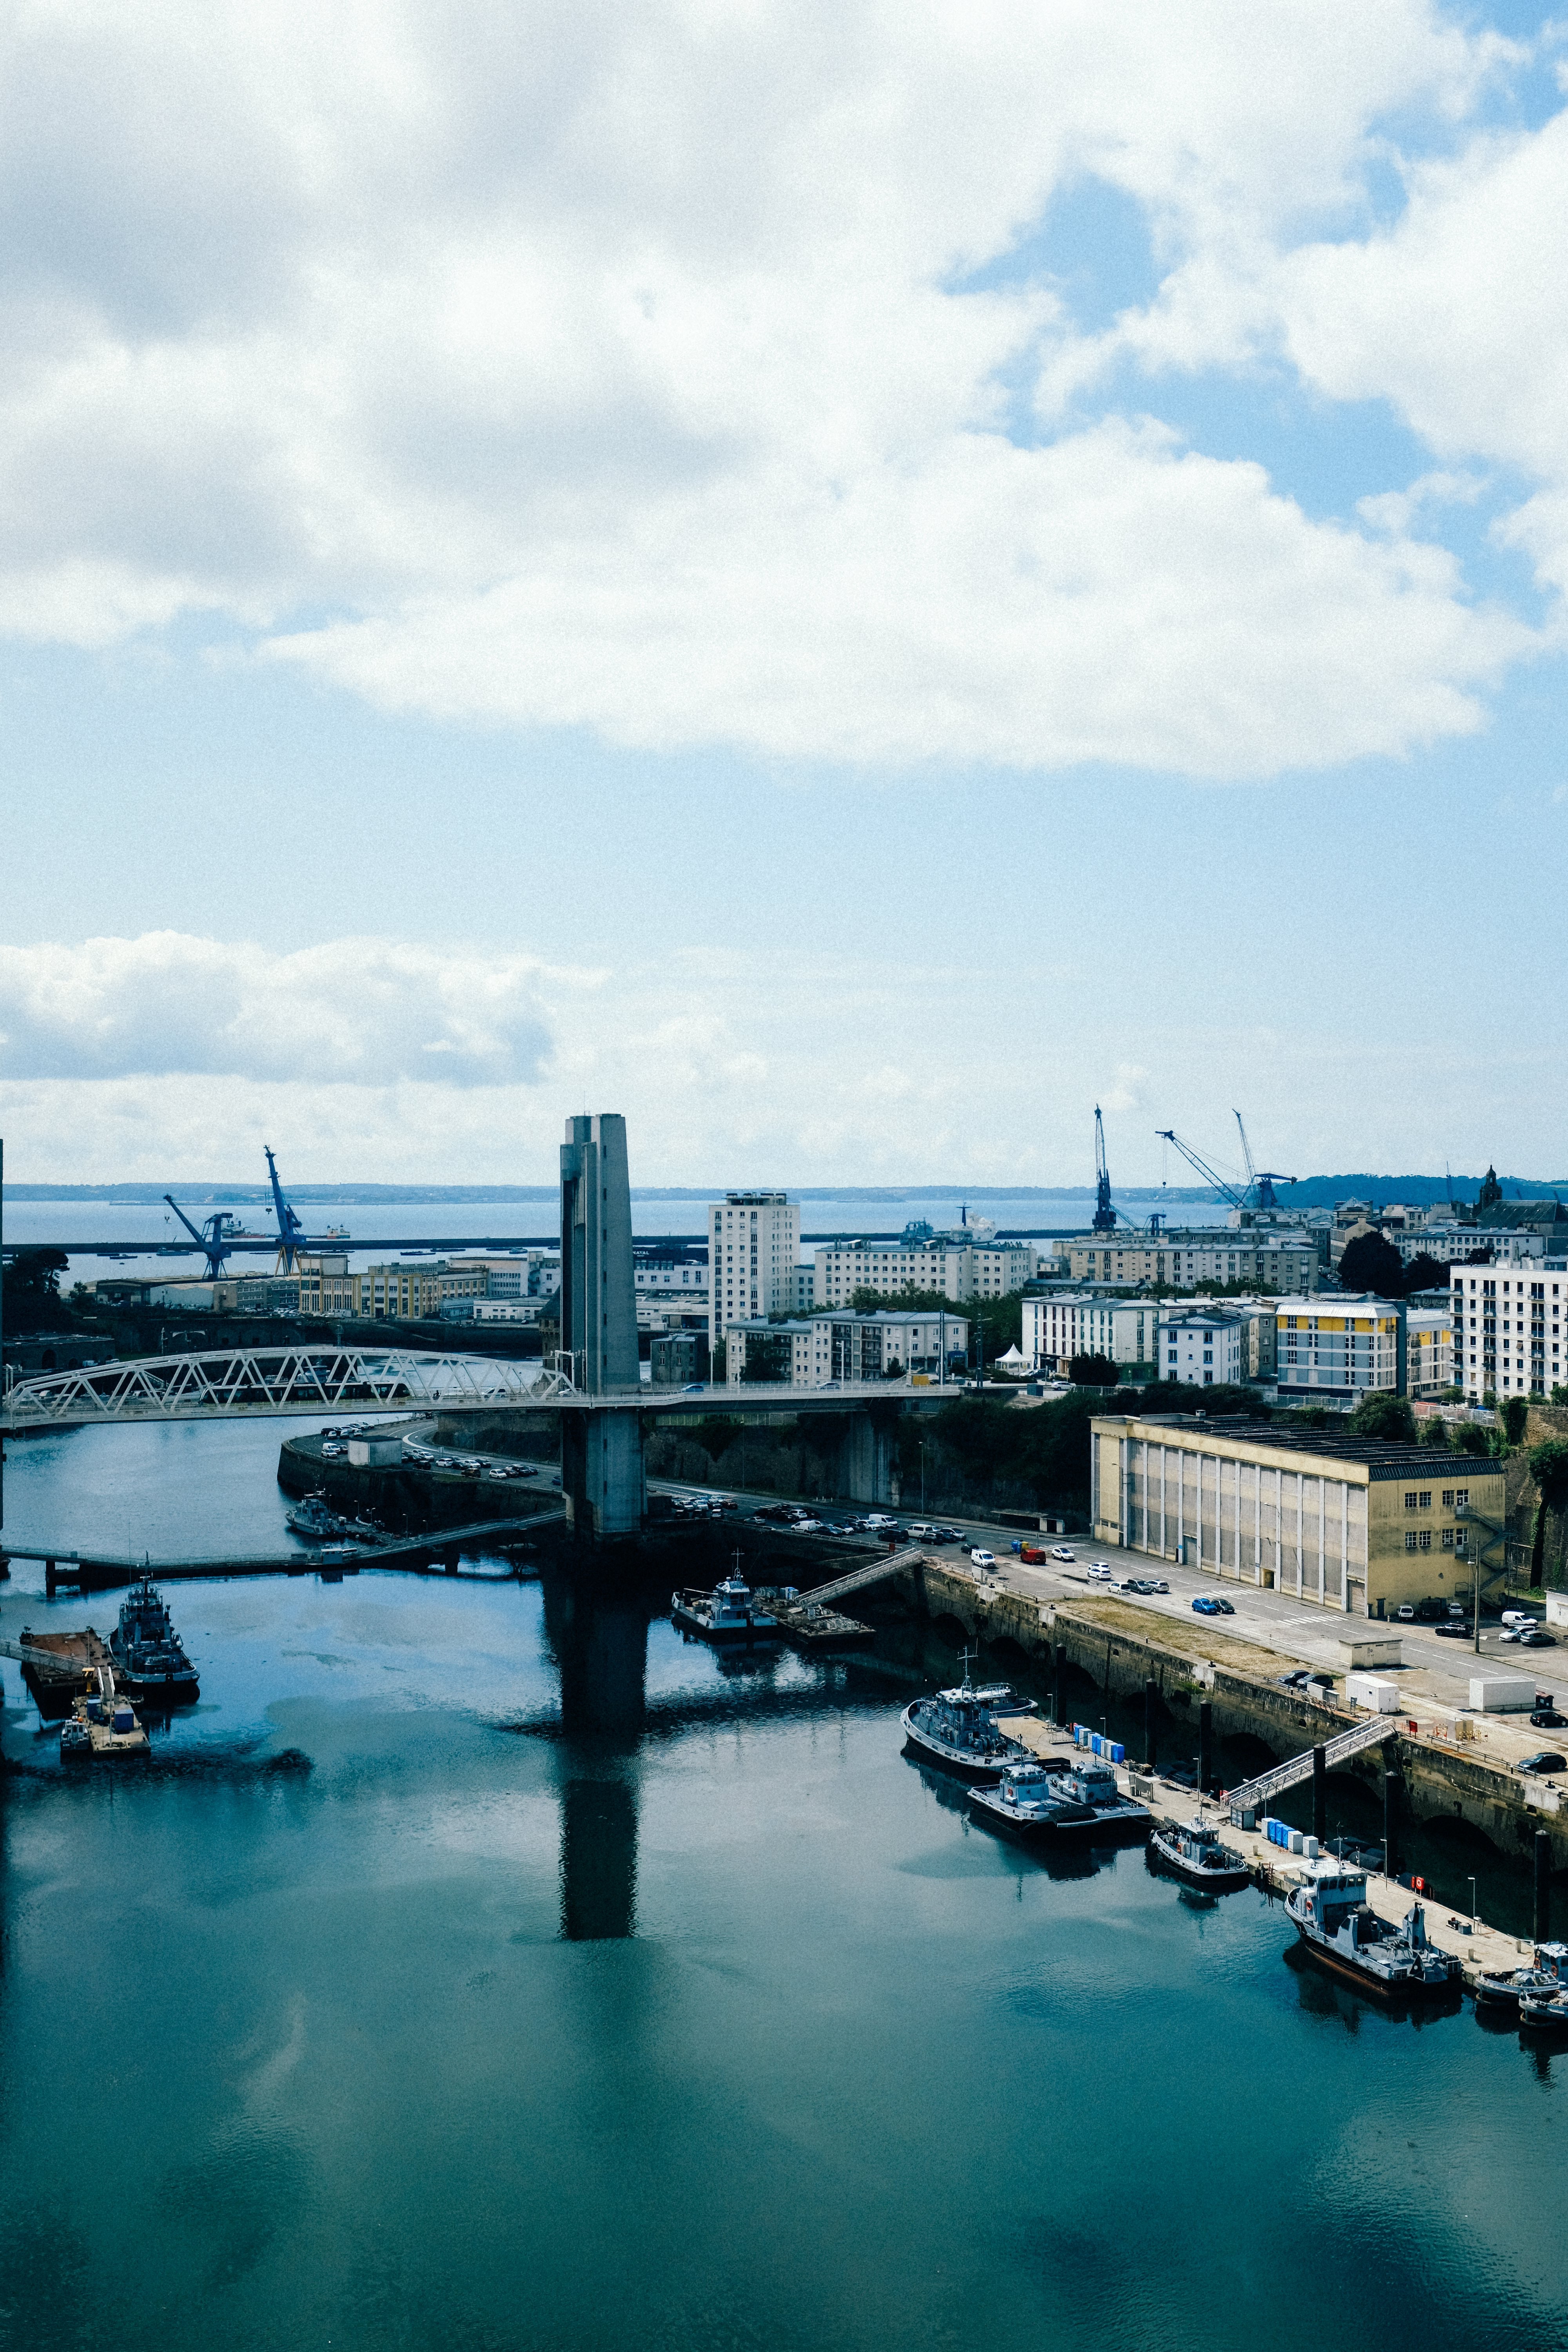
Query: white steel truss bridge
{"points": [[278, 1381]]}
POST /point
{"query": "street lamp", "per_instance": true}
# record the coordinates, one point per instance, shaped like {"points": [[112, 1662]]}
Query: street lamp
{"points": [[1474, 1921]]}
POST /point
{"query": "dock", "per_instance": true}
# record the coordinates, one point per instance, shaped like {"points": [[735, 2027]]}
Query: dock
{"points": [[99, 1572], [1479, 1950]]}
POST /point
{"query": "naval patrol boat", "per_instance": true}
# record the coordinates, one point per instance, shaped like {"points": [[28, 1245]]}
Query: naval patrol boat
{"points": [[1340, 1931], [150, 1659], [958, 1729]]}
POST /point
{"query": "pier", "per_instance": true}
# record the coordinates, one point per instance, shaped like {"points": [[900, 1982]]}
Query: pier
{"points": [[101, 1572]]}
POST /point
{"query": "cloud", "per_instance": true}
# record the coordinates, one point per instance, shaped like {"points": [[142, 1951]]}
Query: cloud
{"points": [[350, 1011], [706, 374]]}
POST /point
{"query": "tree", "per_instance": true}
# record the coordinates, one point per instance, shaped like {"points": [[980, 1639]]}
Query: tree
{"points": [[1092, 1373], [1425, 1272], [1549, 1468], [1512, 1413], [32, 1290], [1370, 1263], [1383, 1415]]}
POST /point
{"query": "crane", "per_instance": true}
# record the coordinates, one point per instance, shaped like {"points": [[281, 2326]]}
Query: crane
{"points": [[1104, 1210], [213, 1237], [1210, 1176], [290, 1231], [1260, 1181]]}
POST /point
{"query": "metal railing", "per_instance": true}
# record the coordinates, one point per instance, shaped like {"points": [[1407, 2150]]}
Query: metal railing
{"points": [[276, 1380], [1344, 1744]]}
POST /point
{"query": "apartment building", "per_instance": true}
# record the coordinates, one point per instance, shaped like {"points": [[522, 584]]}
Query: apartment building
{"points": [[1332, 1350], [1058, 1325], [1204, 1346], [754, 1245], [796, 1352], [1507, 1329], [874, 1344], [1273, 1257], [959, 1270], [1428, 1352]]}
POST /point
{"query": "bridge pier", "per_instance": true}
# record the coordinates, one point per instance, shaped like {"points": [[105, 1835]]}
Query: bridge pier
{"points": [[603, 1483], [869, 1461]]}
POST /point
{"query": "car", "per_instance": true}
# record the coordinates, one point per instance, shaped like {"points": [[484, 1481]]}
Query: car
{"points": [[921, 1530], [1135, 1584], [694, 1388], [878, 1520], [1406, 1615], [1203, 1607], [1537, 1638], [1298, 1680], [805, 1526], [1546, 1718], [1545, 1759], [1063, 1551], [1158, 1584], [982, 1559], [1452, 1629], [1519, 1618], [1100, 1574]]}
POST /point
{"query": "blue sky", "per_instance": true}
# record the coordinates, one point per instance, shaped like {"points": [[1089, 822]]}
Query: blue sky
{"points": [[848, 582]]}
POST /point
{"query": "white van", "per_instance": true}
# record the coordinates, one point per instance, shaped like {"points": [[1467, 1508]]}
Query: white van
{"points": [[984, 1558], [1518, 1617]]}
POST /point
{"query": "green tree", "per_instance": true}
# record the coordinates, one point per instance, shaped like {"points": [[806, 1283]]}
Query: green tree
{"points": [[1092, 1373], [1426, 1273], [1370, 1263], [32, 1291], [1549, 1468], [1512, 1414], [1383, 1415]]}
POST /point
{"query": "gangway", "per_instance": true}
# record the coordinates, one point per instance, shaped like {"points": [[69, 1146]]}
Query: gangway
{"points": [[858, 1579], [1343, 1745]]}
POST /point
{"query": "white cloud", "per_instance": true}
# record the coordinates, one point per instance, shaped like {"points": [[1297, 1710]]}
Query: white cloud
{"points": [[356, 1011], [615, 369]]}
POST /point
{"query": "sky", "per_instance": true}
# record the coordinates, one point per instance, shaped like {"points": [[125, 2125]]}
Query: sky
{"points": [[848, 581]]}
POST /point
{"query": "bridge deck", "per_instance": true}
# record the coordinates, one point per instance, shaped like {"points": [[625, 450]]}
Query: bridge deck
{"points": [[99, 1572]]}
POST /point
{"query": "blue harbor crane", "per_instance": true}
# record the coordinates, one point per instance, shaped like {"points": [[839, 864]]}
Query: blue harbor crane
{"points": [[213, 1238], [290, 1231]]}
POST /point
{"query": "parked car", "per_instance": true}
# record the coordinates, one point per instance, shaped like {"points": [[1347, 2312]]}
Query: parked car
{"points": [[1406, 1614], [1454, 1628], [1158, 1584], [1296, 1680], [1546, 1718], [1545, 1759], [1203, 1607], [1537, 1638], [1063, 1551], [1518, 1617], [921, 1530], [878, 1520], [982, 1559], [1101, 1574]]}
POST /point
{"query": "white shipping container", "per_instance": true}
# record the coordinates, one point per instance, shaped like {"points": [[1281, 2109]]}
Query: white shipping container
{"points": [[1500, 1694], [375, 1452], [1371, 1691]]}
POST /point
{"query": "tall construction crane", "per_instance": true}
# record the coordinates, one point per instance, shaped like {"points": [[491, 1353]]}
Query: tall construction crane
{"points": [[1104, 1210], [1210, 1175], [290, 1231], [213, 1238], [1260, 1181]]}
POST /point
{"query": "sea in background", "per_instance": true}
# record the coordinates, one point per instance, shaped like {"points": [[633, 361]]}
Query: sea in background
{"points": [[372, 1225], [481, 1964]]}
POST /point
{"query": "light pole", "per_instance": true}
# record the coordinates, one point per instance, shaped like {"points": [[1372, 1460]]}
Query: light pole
{"points": [[1473, 1919], [922, 1478]]}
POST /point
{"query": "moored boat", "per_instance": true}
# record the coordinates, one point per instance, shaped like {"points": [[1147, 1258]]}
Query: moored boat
{"points": [[1024, 1804], [316, 1520], [1341, 1932], [1192, 1851], [149, 1660], [958, 1728], [731, 1613], [1543, 2012], [1502, 1990], [102, 1728]]}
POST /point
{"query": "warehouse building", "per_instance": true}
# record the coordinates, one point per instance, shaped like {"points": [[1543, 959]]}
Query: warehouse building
{"points": [[1351, 1524]]}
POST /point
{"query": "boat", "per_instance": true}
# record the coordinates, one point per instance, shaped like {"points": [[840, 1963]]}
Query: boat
{"points": [[1543, 2012], [316, 1520], [1088, 1783], [1341, 1932], [958, 1728], [102, 1728], [1024, 1804], [1192, 1851], [1502, 1991], [731, 1613], [150, 1659]]}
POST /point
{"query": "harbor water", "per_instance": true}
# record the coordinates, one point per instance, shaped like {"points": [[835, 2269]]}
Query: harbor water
{"points": [[481, 1965]]}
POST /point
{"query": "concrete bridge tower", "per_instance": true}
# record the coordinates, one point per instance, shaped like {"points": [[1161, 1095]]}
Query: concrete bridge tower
{"points": [[601, 1453]]}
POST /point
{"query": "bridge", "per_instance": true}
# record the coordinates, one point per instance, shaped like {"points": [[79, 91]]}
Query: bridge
{"points": [[239, 1381], [1253, 1794]]}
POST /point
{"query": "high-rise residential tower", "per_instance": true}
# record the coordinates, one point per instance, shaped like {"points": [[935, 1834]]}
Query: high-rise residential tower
{"points": [[753, 1243]]}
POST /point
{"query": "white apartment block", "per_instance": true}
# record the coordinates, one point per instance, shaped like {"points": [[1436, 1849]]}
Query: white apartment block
{"points": [[1277, 1258], [961, 1271], [799, 1352], [875, 1344], [1428, 1352], [754, 1245], [1203, 1346], [1332, 1350], [1071, 1324], [1507, 1329]]}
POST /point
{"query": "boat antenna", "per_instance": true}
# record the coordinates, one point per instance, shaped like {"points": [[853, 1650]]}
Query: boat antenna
{"points": [[966, 1659]]}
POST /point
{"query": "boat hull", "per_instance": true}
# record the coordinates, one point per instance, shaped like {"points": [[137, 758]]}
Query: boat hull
{"points": [[1208, 1881], [725, 1636], [1397, 1989], [961, 1766]]}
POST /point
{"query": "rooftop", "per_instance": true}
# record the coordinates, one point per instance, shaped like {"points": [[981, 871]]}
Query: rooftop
{"points": [[1382, 1458]]}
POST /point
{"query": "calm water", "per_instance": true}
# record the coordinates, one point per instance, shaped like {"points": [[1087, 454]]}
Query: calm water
{"points": [[479, 1966]]}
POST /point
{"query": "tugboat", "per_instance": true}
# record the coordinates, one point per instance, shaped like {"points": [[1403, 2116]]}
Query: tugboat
{"points": [[1338, 1927], [149, 1660], [958, 1728], [1547, 1974], [1088, 1783], [728, 1613], [315, 1519], [1024, 1804], [1192, 1851]]}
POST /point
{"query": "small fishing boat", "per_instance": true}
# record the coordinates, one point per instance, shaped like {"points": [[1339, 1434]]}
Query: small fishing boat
{"points": [[1545, 2013], [1192, 1851], [1338, 1927], [1502, 1991]]}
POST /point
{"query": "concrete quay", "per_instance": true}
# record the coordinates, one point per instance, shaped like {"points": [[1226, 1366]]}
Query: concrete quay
{"points": [[1480, 1948]]}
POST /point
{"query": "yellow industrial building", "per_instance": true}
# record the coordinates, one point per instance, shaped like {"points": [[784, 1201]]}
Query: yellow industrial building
{"points": [[1351, 1523]]}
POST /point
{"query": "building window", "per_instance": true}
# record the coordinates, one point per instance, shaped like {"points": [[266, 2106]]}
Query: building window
{"points": [[1426, 1498], [1410, 1500], [1448, 1540], [1410, 1541], [1424, 1540]]}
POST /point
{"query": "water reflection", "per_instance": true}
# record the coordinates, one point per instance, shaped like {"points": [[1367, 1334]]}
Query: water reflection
{"points": [[596, 1630]]}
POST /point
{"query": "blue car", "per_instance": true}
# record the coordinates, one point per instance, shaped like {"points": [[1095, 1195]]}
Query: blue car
{"points": [[1206, 1607]]}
